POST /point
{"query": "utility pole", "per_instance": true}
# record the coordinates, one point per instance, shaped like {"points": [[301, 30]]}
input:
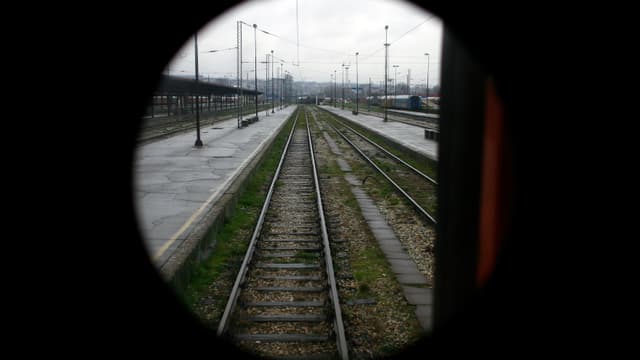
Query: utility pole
{"points": [[386, 66], [198, 141]]}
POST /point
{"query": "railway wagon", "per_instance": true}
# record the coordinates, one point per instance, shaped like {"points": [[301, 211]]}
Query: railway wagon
{"points": [[404, 102]]}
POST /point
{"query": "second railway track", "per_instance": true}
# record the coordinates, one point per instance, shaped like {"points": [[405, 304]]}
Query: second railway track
{"points": [[418, 188], [285, 301]]}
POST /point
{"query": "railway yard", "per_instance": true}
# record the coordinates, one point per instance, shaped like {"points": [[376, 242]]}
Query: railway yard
{"points": [[328, 250]]}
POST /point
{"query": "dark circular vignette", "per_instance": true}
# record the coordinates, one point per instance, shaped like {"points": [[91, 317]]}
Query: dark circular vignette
{"points": [[143, 41]]}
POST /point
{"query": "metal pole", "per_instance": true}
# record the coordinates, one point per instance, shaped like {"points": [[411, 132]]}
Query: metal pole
{"points": [[342, 98], [335, 92], [357, 86], [369, 102], [272, 90], [198, 141], [386, 66], [255, 68], [239, 73], [346, 78], [333, 96], [395, 81], [428, 61], [266, 81]]}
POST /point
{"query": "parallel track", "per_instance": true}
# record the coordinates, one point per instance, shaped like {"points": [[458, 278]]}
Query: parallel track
{"points": [[284, 301], [151, 131], [422, 186], [426, 123]]}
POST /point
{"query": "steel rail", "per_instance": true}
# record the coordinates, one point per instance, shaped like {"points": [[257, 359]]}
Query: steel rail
{"points": [[398, 187], [235, 291], [425, 124], [183, 127], [418, 172], [338, 323]]}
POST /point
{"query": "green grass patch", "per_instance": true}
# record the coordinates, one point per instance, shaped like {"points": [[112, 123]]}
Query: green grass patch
{"points": [[368, 266]]}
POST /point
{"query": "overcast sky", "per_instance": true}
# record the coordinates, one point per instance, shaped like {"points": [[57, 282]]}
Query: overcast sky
{"points": [[330, 33]]}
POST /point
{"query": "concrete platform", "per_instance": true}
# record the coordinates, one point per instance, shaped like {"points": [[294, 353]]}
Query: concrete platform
{"points": [[414, 113], [407, 135], [177, 184]]}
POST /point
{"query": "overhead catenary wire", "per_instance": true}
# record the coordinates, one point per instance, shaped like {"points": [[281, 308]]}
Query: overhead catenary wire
{"points": [[295, 60], [301, 45], [401, 36]]}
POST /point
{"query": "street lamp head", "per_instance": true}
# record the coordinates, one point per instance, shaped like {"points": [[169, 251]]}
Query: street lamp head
{"points": [[357, 53], [255, 26], [426, 54], [386, 27]]}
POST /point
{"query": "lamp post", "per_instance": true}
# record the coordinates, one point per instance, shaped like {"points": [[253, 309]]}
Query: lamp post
{"points": [[266, 82], [255, 68], [281, 83], [357, 85], [198, 141], [342, 97], [331, 88], [272, 92], [386, 67], [239, 71], [427, 99], [334, 88], [284, 87], [395, 81], [346, 79], [369, 98]]}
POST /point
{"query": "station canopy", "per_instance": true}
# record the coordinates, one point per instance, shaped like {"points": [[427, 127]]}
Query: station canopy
{"points": [[176, 86]]}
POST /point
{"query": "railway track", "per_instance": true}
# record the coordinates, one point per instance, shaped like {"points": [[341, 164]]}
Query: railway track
{"points": [[151, 131], [418, 188], [284, 301], [427, 124]]}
